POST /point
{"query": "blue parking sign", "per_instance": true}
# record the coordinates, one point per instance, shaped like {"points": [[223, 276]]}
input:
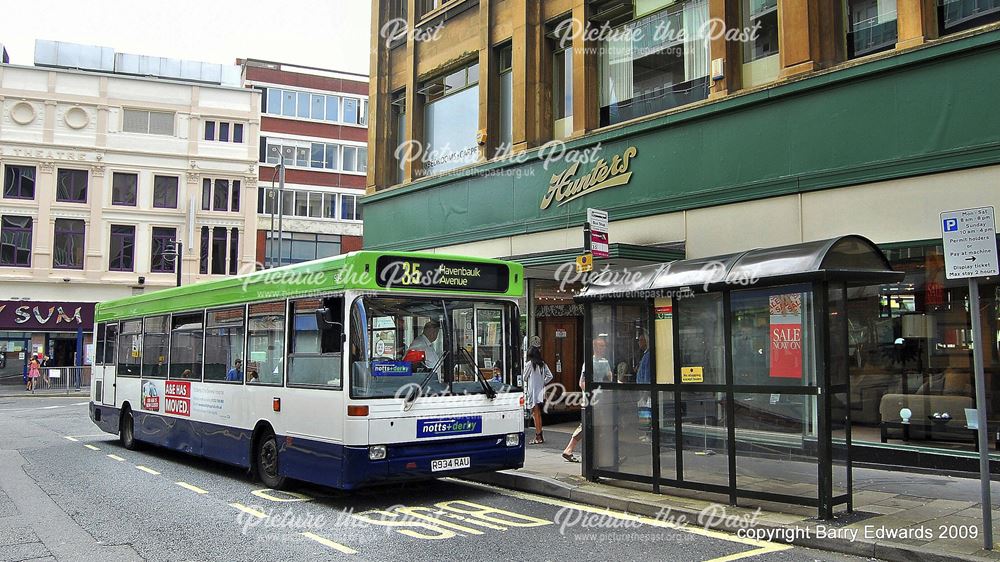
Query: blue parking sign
{"points": [[950, 225]]}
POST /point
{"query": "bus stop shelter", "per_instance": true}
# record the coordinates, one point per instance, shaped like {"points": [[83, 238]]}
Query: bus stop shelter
{"points": [[728, 374]]}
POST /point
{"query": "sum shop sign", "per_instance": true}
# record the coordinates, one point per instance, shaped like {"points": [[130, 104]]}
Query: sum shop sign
{"points": [[44, 315]]}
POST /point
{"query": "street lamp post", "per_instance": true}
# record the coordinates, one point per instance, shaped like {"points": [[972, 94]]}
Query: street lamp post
{"points": [[176, 253]]}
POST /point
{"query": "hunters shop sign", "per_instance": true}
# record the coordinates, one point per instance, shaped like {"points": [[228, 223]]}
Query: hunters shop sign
{"points": [[43, 315], [565, 187]]}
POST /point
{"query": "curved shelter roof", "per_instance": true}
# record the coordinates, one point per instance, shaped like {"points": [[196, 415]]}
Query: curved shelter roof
{"points": [[852, 259]]}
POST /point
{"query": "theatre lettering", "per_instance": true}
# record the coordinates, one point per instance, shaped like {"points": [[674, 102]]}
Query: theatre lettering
{"points": [[20, 315]]}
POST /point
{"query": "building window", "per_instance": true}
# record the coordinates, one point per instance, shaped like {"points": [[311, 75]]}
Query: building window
{"points": [[644, 71], [223, 128], [562, 93], [165, 192], [71, 186], [957, 15], [220, 198], [19, 182], [316, 155], [203, 256], [122, 248], [216, 246], [762, 14], [872, 26], [298, 247], [148, 122], [68, 244], [15, 241], [506, 137], [451, 120], [315, 106], [123, 189], [349, 208], [163, 242]]}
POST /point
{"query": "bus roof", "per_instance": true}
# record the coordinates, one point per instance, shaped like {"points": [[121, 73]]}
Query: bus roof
{"points": [[356, 270]]}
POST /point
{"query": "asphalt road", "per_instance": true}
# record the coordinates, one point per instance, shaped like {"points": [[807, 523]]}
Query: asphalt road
{"points": [[70, 492]]}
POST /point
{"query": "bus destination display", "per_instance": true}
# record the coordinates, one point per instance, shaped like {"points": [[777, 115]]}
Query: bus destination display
{"points": [[393, 271]]}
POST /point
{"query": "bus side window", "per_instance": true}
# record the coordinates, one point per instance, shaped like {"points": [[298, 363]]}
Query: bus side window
{"points": [[266, 335]]}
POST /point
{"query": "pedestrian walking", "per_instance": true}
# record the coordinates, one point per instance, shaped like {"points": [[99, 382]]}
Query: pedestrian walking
{"points": [[537, 375], [34, 372]]}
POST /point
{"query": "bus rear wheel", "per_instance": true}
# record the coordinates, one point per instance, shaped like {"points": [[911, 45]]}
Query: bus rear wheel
{"points": [[266, 459], [126, 433]]}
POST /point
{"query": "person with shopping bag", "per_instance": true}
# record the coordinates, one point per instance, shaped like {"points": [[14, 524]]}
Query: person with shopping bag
{"points": [[537, 375]]}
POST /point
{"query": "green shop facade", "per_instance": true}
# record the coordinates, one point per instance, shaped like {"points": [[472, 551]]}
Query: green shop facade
{"points": [[877, 148]]}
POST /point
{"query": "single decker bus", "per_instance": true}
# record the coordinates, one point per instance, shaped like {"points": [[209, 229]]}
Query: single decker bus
{"points": [[349, 371]]}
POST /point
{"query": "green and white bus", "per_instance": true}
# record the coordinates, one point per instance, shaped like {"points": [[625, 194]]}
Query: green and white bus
{"points": [[347, 371]]}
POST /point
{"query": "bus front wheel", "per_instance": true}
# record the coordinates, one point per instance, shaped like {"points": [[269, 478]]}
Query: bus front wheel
{"points": [[266, 458]]}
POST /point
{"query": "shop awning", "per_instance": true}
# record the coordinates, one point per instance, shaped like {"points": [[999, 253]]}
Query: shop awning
{"points": [[852, 259]]}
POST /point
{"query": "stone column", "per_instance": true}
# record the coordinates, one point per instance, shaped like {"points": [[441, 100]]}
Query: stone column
{"points": [[586, 78], [810, 35], [916, 22]]}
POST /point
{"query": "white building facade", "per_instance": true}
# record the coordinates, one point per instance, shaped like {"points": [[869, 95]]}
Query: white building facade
{"points": [[102, 173]]}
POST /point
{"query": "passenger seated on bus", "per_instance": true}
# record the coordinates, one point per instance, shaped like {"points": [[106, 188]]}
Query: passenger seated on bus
{"points": [[425, 342], [236, 373], [252, 376]]}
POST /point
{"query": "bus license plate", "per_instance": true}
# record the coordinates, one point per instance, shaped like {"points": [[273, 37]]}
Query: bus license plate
{"points": [[450, 464]]}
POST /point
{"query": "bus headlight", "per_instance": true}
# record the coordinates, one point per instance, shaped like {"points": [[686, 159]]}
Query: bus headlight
{"points": [[513, 439], [376, 452]]}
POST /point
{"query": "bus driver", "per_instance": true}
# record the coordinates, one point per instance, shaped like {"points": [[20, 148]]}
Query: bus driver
{"points": [[425, 342]]}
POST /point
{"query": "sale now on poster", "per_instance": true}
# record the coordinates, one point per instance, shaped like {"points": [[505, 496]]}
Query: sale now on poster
{"points": [[786, 336]]}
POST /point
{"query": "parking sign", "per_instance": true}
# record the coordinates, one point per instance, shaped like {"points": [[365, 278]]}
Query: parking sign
{"points": [[970, 243]]}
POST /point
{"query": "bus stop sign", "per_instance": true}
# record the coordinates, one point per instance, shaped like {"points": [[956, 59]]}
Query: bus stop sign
{"points": [[970, 243]]}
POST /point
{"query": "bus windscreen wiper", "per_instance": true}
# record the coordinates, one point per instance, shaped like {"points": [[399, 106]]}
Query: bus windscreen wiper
{"points": [[487, 388]]}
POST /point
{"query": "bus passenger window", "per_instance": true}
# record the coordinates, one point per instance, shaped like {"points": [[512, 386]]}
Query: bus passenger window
{"points": [[224, 345], [266, 335], [154, 347], [315, 355], [130, 348], [186, 342]]}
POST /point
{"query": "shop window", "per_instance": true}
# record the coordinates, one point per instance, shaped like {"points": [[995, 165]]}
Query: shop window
{"points": [[155, 343], [122, 248], [187, 337], [871, 26], [163, 242], [165, 192], [266, 350], [19, 182], [71, 186], [124, 188], [129, 348], [68, 244], [314, 344], [760, 61], [645, 70], [451, 120], [224, 345], [15, 241]]}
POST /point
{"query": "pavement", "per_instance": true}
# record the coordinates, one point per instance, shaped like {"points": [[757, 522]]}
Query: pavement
{"points": [[70, 492], [897, 515]]}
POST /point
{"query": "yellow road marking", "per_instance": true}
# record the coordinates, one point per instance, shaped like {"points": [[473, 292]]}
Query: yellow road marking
{"points": [[249, 510], [747, 554], [194, 489], [70, 438], [329, 543], [146, 469], [116, 457], [92, 448], [762, 547]]}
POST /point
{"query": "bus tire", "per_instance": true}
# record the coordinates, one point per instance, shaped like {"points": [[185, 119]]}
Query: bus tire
{"points": [[126, 430], [266, 461]]}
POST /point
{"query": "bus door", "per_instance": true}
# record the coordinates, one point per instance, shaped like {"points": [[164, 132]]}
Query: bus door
{"points": [[109, 379]]}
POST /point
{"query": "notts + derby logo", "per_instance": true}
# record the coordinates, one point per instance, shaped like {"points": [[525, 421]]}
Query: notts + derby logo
{"points": [[440, 427], [563, 188]]}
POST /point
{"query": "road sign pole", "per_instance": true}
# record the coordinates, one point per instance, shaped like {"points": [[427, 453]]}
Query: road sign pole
{"points": [[982, 434]]}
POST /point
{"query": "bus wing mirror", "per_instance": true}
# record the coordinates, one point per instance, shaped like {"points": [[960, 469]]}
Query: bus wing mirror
{"points": [[325, 317]]}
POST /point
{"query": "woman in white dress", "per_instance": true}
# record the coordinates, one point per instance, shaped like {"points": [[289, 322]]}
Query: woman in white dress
{"points": [[536, 376]]}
